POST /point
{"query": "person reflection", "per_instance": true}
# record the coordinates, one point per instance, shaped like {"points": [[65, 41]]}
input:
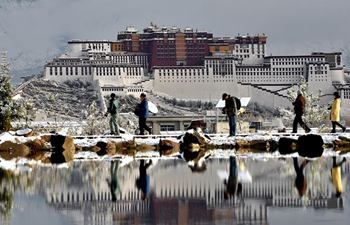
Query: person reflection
{"points": [[300, 180], [336, 176], [232, 185], [143, 181], [114, 182]]}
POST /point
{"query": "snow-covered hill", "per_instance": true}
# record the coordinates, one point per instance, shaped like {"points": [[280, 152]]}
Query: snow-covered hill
{"points": [[65, 99], [72, 99]]}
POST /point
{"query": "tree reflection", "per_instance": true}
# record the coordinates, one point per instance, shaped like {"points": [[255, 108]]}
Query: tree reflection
{"points": [[6, 195]]}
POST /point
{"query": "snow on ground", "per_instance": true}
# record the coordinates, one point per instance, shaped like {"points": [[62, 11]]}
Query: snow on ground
{"points": [[329, 138], [11, 136], [7, 136], [154, 140], [86, 141]]}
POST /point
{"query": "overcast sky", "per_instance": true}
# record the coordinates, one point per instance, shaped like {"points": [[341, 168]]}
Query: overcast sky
{"points": [[34, 31]]}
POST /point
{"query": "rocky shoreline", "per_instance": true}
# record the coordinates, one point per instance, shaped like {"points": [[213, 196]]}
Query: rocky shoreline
{"points": [[57, 148]]}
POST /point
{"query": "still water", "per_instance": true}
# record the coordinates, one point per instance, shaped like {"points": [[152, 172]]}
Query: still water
{"points": [[169, 191]]}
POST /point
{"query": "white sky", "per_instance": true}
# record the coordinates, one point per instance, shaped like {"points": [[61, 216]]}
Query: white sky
{"points": [[34, 31]]}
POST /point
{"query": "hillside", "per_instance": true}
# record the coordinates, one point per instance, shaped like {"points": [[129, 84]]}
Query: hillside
{"points": [[72, 99], [66, 99]]}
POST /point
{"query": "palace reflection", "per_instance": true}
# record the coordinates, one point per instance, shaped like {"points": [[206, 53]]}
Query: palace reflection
{"points": [[178, 196]]}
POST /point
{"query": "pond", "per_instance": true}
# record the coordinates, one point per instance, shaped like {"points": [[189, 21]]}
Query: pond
{"points": [[235, 190]]}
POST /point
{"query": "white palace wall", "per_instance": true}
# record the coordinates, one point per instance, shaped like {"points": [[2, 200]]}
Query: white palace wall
{"points": [[118, 75], [200, 86], [64, 73]]}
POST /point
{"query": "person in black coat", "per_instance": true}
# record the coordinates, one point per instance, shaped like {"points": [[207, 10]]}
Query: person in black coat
{"points": [[113, 109], [143, 114], [230, 110]]}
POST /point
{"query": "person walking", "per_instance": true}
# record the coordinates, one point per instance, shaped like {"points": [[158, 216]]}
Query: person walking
{"points": [[113, 108], [299, 107], [143, 114], [335, 113], [230, 110]]}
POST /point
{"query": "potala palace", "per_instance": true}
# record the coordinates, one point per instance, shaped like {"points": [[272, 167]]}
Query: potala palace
{"points": [[190, 64]]}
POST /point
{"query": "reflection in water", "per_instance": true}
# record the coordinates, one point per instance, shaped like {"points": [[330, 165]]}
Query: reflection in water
{"points": [[195, 159], [143, 181], [114, 183], [300, 180], [6, 195], [336, 176], [232, 184], [105, 192]]}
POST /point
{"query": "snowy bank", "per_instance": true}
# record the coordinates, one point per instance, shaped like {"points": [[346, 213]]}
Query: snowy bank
{"points": [[55, 148]]}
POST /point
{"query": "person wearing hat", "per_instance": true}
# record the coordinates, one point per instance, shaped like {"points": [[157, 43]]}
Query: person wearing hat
{"points": [[113, 108], [299, 108], [335, 113], [230, 110]]}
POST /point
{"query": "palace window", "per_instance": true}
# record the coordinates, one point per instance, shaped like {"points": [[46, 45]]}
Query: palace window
{"points": [[346, 94]]}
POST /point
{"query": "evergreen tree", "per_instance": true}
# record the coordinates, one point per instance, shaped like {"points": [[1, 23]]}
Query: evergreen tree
{"points": [[174, 101], [198, 104], [210, 105], [29, 112], [9, 109]]}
